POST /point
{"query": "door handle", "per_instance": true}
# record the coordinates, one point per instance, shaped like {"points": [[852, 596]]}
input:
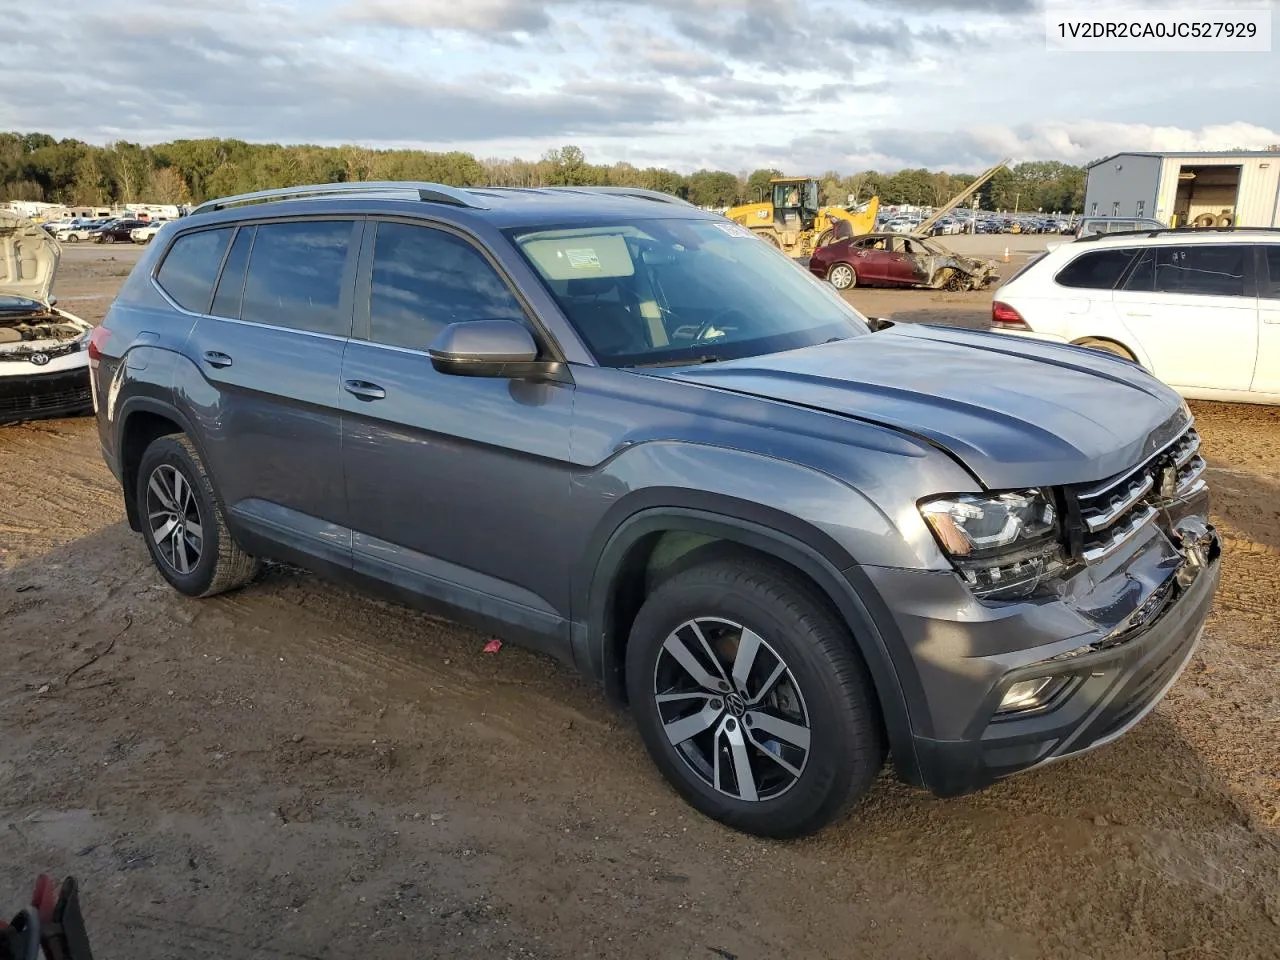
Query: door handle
{"points": [[215, 359], [363, 389]]}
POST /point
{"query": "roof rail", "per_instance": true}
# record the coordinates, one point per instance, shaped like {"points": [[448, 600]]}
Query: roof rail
{"points": [[1177, 230], [430, 192], [639, 193]]}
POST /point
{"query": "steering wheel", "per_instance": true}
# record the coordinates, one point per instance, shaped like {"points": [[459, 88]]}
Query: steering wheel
{"points": [[710, 324]]}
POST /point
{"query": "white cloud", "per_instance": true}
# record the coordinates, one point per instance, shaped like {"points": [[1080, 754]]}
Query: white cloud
{"points": [[806, 85]]}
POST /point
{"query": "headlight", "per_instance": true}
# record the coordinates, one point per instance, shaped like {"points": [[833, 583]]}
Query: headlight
{"points": [[1004, 544]]}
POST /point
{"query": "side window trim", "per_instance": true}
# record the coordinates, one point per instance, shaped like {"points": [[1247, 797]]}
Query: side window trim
{"points": [[217, 286], [363, 287], [1266, 280]]}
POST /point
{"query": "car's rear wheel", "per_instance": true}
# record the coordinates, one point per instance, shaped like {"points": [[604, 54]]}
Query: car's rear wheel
{"points": [[72, 238], [842, 276], [183, 523], [751, 698], [1107, 346]]}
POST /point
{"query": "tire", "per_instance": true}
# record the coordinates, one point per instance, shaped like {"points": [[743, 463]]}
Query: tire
{"points": [[823, 695], [768, 238], [1107, 346], [207, 561], [72, 238], [842, 276]]}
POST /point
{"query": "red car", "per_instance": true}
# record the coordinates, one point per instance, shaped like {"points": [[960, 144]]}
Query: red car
{"points": [[897, 260]]}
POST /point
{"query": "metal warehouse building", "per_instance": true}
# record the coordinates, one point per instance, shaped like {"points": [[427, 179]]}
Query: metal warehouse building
{"points": [[1240, 188]]}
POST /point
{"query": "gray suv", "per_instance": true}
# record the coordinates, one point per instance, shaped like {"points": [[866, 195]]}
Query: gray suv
{"points": [[625, 432]]}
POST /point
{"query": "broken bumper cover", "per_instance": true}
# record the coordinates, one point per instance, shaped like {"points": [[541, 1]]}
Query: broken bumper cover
{"points": [[32, 396], [1107, 681]]}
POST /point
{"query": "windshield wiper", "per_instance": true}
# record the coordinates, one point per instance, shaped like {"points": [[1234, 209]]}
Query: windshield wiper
{"points": [[686, 362]]}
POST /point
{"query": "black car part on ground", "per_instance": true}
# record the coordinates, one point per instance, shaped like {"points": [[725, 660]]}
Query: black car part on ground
{"points": [[50, 927]]}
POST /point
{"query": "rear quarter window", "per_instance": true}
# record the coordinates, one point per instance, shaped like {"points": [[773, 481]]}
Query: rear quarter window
{"points": [[1096, 269], [190, 268]]}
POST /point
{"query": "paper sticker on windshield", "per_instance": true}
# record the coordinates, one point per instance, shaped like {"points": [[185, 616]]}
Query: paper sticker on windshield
{"points": [[583, 259], [733, 230]]}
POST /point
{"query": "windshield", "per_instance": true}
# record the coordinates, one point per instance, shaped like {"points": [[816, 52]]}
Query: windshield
{"points": [[670, 291]]}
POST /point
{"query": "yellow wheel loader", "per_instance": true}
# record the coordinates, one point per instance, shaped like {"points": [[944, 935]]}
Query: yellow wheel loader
{"points": [[792, 220]]}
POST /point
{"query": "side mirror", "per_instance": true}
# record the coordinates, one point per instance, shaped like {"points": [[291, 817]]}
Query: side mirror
{"points": [[485, 348]]}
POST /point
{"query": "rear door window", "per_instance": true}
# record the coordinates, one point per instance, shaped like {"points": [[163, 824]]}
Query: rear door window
{"points": [[1097, 269], [297, 276], [1213, 270], [190, 268]]}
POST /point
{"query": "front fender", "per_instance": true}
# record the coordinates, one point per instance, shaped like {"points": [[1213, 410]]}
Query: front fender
{"points": [[600, 653]]}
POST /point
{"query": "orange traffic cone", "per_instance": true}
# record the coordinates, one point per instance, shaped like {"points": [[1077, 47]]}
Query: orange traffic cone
{"points": [[1005, 258]]}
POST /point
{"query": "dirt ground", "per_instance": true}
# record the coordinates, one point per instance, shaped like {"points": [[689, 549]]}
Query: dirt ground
{"points": [[297, 771]]}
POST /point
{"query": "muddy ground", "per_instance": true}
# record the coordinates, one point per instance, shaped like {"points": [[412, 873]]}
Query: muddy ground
{"points": [[297, 771]]}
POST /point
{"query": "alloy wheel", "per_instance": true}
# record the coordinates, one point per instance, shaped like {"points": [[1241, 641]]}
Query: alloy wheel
{"points": [[841, 276], [173, 518], [731, 708]]}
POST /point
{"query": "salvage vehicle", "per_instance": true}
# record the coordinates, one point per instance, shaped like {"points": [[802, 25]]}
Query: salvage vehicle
{"points": [[895, 260], [794, 220], [622, 431], [44, 367], [1199, 309]]}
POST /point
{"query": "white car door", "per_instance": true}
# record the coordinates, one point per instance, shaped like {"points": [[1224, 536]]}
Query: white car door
{"points": [[1266, 375], [1186, 307]]}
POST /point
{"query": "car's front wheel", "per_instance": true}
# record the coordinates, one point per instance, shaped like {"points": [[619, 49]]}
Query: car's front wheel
{"points": [[842, 276], [183, 523], [751, 698]]}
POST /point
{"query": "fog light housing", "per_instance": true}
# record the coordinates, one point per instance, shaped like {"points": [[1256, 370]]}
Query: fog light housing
{"points": [[1030, 694]]}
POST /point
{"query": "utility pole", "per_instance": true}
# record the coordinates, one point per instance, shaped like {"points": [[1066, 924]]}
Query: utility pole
{"points": [[1016, 198]]}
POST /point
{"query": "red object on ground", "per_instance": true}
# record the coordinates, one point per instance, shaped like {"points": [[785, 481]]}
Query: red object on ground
{"points": [[493, 646]]}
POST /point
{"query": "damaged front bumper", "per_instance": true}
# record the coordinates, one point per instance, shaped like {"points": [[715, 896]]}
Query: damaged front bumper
{"points": [[1110, 646]]}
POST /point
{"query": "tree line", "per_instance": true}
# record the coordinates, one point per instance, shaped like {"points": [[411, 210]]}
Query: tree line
{"points": [[36, 166]]}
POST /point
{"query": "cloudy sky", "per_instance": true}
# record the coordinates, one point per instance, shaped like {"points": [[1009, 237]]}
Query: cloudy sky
{"points": [[805, 85]]}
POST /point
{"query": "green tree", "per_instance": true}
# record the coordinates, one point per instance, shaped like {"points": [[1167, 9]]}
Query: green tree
{"points": [[757, 188], [712, 188]]}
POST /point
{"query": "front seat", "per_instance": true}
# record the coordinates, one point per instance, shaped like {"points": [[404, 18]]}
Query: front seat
{"points": [[606, 315]]}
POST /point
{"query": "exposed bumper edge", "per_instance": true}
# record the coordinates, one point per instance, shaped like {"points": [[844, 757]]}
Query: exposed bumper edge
{"points": [[1109, 692]]}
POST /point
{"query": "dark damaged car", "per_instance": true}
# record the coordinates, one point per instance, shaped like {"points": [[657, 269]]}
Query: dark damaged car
{"points": [[626, 433], [898, 260], [44, 364]]}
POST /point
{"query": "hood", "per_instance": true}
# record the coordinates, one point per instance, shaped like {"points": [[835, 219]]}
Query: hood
{"points": [[1016, 412], [28, 257]]}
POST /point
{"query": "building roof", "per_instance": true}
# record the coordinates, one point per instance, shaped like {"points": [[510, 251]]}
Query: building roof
{"points": [[1187, 153]]}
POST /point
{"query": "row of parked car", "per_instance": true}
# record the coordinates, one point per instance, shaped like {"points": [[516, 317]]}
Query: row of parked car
{"points": [[984, 224], [105, 230]]}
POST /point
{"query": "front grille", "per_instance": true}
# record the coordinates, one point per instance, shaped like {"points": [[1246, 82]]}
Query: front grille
{"points": [[1116, 510], [24, 356], [34, 396]]}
